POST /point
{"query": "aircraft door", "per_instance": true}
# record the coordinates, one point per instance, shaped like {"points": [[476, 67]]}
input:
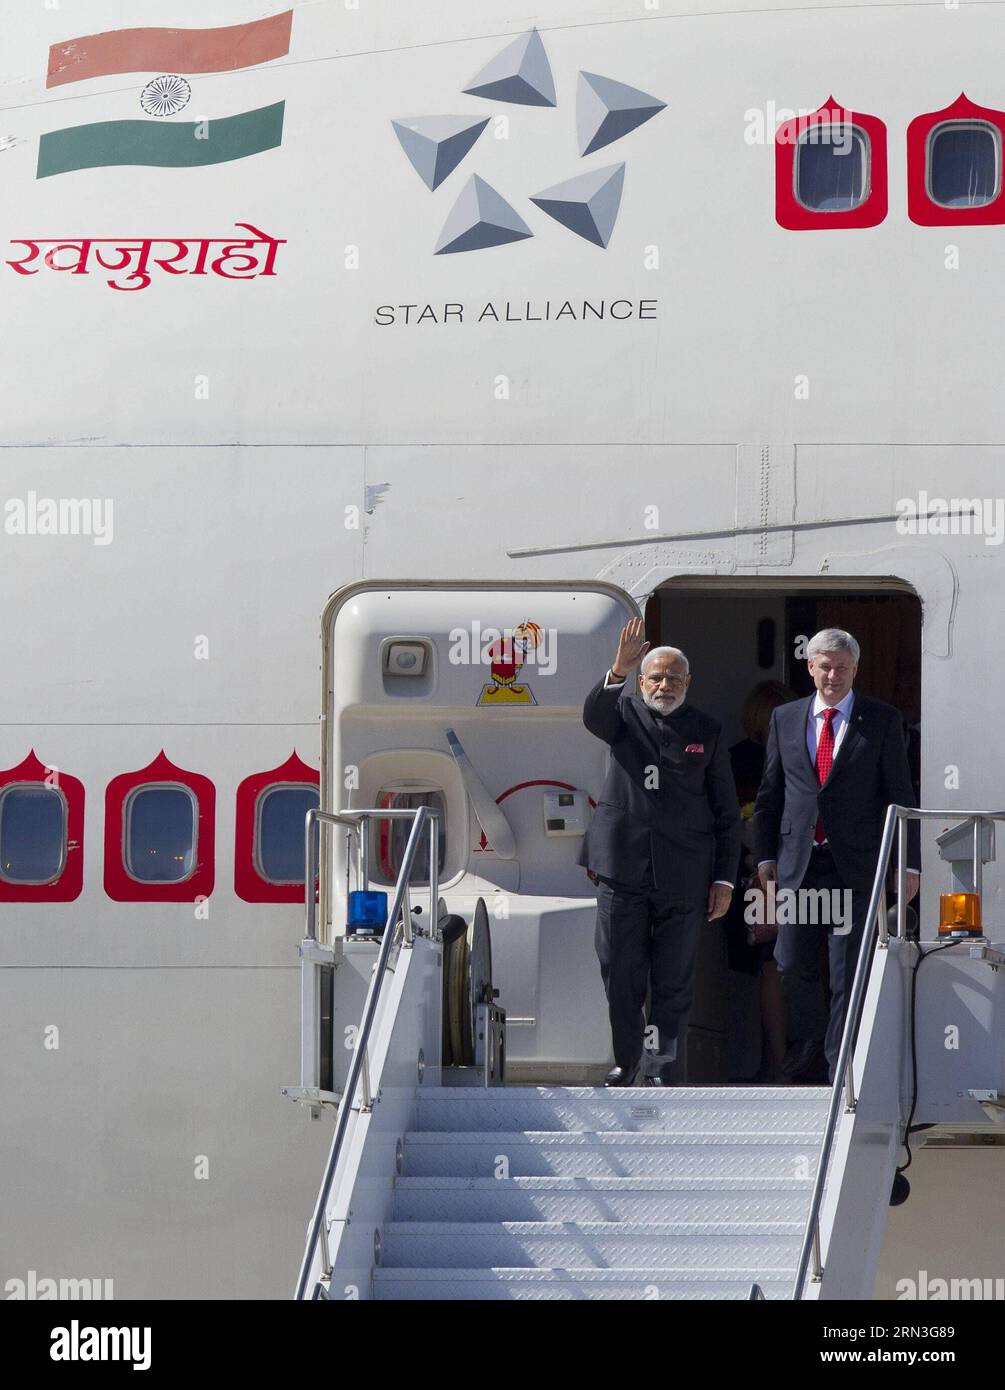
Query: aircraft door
{"points": [[468, 698]]}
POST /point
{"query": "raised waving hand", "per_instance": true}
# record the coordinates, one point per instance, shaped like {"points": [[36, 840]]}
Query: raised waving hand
{"points": [[632, 647]]}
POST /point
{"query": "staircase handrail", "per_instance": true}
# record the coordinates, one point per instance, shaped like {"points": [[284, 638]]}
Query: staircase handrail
{"points": [[876, 928], [398, 923]]}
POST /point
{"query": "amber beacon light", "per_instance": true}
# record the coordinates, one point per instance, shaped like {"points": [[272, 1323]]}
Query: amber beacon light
{"points": [[959, 914]]}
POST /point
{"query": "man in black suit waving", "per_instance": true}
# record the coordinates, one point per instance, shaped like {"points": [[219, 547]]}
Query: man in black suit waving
{"points": [[662, 848], [834, 763]]}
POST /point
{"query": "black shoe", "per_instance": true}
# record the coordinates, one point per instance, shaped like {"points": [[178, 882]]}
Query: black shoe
{"points": [[806, 1065], [664, 1077], [621, 1076]]}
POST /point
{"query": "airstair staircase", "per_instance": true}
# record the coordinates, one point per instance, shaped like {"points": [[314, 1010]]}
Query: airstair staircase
{"points": [[521, 1192], [587, 1193]]}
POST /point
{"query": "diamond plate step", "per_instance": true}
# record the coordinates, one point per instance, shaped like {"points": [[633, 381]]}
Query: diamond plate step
{"points": [[568, 1284], [735, 1155], [656, 1199], [592, 1244], [583, 1109]]}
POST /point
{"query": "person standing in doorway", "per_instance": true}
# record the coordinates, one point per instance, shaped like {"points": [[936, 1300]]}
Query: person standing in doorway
{"points": [[662, 847], [750, 949], [834, 762]]}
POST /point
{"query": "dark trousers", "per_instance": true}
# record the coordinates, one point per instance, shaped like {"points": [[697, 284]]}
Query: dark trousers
{"points": [[799, 950], [646, 938]]}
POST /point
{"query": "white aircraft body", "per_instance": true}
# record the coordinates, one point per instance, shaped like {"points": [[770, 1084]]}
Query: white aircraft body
{"points": [[500, 327]]}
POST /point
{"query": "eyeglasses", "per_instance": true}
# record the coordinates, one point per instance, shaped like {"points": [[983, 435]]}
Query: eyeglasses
{"points": [[675, 682]]}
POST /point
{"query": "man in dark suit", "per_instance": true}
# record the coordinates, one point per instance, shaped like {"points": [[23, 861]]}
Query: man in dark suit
{"points": [[834, 763], [662, 848]]}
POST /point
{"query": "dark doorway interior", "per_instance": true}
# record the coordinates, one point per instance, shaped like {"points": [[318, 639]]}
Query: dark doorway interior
{"points": [[735, 638]]}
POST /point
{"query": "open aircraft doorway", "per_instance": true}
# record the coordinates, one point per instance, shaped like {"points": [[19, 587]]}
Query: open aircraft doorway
{"points": [[739, 637]]}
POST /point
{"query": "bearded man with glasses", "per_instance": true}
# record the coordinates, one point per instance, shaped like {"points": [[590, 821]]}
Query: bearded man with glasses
{"points": [[662, 848]]}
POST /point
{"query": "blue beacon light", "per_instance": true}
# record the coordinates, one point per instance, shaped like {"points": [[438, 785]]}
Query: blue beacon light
{"points": [[367, 913]]}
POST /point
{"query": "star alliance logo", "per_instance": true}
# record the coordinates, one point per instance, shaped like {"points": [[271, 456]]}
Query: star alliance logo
{"points": [[586, 204]]}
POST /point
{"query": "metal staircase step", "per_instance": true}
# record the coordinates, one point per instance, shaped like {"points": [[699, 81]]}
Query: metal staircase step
{"points": [[558, 1193], [719, 1245], [581, 1109], [567, 1284], [631, 1199], [733, 1154]]}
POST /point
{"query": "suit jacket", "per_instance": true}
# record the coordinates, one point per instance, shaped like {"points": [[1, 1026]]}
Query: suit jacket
{"points": [[685, 825], [868, 773]]}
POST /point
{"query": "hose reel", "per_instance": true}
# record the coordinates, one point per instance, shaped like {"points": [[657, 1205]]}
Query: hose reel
{"points": [[467, 982]]}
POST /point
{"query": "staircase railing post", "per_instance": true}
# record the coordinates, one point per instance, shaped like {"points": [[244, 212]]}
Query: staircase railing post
{"points": [[365, 1081], [359, 1066], [901, 878]]}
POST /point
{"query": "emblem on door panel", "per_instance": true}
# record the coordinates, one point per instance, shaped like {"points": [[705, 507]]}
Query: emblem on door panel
{"points": [[507, 656]]}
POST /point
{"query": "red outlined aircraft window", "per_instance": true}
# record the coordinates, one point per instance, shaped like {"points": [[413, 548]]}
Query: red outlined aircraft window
{"points": [[389, 837], [41, 833], [954, 166], [159, 834], [269, 832], [830, 170]]}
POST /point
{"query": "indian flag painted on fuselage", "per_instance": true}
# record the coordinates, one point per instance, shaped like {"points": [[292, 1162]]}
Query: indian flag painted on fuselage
{"points": [[175, 144]]}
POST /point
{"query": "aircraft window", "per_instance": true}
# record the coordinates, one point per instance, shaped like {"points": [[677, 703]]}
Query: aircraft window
{"points": [[388, 838], [32, 833], [279, 832], [160, 834], [964, 164], [831, 172]]}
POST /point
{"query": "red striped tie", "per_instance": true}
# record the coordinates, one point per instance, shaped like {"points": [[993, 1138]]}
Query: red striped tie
{"points": [[825, 758]]}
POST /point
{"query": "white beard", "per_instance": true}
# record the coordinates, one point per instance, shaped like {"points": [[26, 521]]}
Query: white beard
{"points": [[673, 702]]}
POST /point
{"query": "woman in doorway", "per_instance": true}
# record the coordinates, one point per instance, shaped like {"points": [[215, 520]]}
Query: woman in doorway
{"points": [[750, 949]]}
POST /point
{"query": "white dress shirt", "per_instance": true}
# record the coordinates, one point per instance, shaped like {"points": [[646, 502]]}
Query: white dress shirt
{"points": [[839, 724]]}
